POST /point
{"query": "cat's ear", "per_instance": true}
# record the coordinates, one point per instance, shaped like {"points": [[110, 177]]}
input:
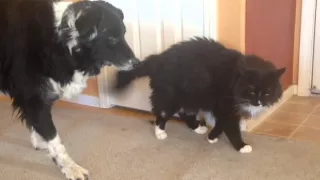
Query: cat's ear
{"points": [[280, 72], [120, 13]]}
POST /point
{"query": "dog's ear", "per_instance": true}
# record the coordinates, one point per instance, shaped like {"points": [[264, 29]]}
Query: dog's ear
{"points": [[87, 21], [79, 23], [107, 5]]}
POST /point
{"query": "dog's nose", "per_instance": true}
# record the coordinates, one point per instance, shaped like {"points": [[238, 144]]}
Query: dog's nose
{"points": [[135, 62]]}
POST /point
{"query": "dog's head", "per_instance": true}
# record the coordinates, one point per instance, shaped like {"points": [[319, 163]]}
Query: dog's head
{"points": [[94, 33]]}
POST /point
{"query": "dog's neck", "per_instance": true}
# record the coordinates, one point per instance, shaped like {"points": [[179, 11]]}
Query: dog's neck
{"points": [[73, 88]]}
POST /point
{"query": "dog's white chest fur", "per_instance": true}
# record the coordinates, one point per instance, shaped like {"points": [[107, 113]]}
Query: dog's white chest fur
{"points": [[75, 87]]}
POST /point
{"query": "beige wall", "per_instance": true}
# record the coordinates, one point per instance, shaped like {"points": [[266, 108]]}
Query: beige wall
{"points": [[232, 28], [231, 23], [270, 33], [295, 69]]}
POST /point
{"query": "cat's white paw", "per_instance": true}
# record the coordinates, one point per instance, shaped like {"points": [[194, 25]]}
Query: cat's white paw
{"points": [[201, 129], [212, 141], [160, 134], [246, 149]]}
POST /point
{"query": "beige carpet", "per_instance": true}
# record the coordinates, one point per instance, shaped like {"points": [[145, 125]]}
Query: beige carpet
{"points": [[118, 148]]}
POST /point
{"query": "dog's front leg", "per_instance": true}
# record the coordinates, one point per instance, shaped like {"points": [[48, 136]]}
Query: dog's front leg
{"points": [[44, 136]]}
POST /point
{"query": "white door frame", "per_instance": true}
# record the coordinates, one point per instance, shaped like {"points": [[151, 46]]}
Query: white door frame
{"points": [[103, 86], [102, 79], [210, 30], [308, 18]]}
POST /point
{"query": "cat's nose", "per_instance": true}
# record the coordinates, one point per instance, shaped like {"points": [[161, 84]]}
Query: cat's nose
{"points": [[257, 103]]}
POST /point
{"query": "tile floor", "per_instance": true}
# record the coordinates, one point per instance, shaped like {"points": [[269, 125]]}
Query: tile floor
{"points": [[298, 118]]}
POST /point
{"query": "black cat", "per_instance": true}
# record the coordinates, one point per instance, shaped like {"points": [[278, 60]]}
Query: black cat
{"points": [[203, 74]]}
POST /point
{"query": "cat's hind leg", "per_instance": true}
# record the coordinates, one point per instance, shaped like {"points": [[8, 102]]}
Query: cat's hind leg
{"points": [[164, 108], [159, 129], [198, 126], [209, 118], [215, 133]]}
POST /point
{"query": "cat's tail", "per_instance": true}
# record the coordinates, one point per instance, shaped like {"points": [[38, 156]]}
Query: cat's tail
{"points": [[124, 78]]}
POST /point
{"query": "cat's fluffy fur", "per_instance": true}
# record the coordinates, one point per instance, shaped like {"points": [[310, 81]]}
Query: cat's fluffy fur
{"points": [[203, 74]]}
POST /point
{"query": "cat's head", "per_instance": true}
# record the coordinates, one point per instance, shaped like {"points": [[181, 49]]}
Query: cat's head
{"points": [[258, 83]]}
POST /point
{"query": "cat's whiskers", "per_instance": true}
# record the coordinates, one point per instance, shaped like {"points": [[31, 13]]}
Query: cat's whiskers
{"points": [[241, 104], [238, 99]]}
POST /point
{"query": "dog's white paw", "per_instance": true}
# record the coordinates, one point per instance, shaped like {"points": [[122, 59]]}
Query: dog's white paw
{"points": [[60, 157], [246, 149], [201, 129], [75, 172], [160, 134], [212, 141], [37, 141]]}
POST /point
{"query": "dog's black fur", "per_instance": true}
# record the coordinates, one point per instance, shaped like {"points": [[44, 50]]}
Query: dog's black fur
{"points": [[39, 51], [203, 74]]}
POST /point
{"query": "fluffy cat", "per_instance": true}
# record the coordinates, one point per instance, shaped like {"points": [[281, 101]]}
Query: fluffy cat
{"points": [[202, 74]]}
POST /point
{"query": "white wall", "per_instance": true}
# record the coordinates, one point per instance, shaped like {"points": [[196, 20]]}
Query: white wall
{"points": [[153, 26]]}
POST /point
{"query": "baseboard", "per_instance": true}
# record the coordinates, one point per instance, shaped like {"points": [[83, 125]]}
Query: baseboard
{"points": [[81, 99], [86, 100], [287, 94]]}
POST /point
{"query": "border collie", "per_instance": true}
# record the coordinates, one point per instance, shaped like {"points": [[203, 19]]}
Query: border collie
{"points": [[48, 50], [201, 74]]}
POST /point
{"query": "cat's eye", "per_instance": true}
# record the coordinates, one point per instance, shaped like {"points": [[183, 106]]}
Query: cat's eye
{"points": [[251, 90]]}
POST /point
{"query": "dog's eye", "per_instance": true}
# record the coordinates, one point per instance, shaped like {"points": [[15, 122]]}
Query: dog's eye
{"points": [[252, 93], [112, 40], [266, 94]]}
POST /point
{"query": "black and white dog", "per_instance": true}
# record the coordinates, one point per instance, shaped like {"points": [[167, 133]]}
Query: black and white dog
{"points": [[48, 50]]}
